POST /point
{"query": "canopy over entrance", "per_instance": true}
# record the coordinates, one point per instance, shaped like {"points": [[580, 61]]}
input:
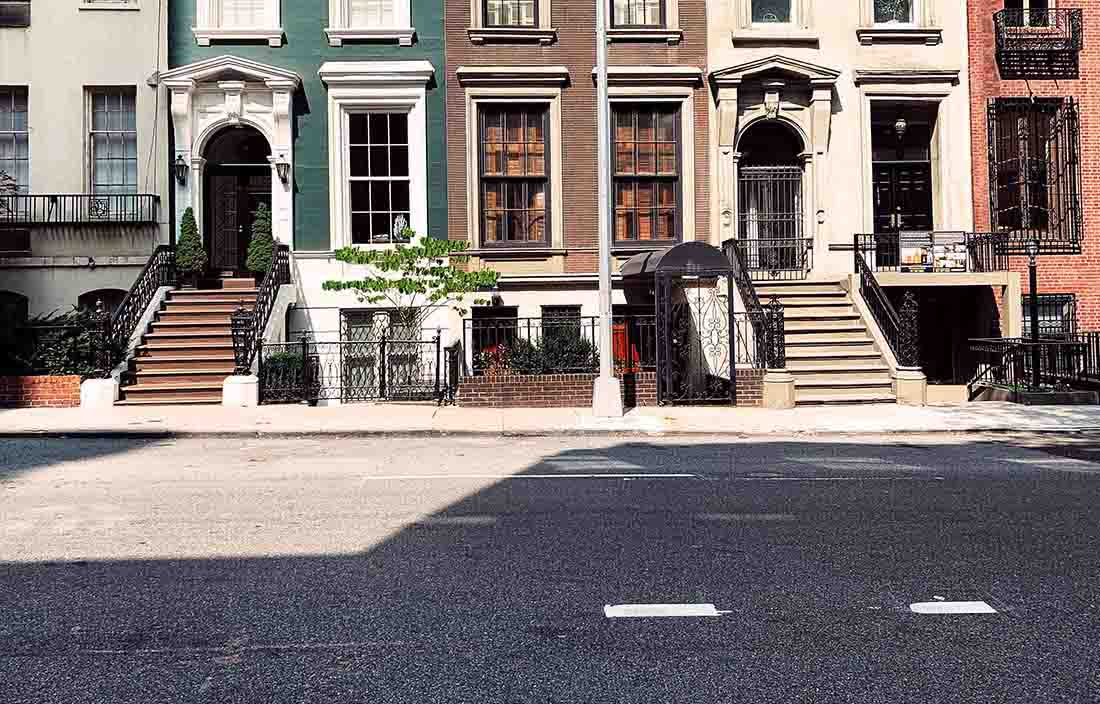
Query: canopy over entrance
{"points": [[688, 258]]}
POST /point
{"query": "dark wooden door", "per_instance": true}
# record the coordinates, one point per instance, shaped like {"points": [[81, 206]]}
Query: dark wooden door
{"points": [[903, 197], [235, 193]]}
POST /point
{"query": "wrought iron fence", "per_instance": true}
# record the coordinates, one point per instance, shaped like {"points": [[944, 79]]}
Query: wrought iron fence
{"points": [[768, 336], [78, 209], [382, 369], [777, 258], [1014, 364], [556, 345], [1041, 43], [159, 271], [920, 251], [248, 325], [902, 331], [84, 347]]}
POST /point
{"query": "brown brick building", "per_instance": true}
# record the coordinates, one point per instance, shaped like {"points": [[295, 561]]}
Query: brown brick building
{"points": [[521, 138], [1042, 184]]}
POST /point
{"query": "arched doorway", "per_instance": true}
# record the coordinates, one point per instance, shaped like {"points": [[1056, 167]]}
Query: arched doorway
{"points": [[238, 180], [770, 200]]}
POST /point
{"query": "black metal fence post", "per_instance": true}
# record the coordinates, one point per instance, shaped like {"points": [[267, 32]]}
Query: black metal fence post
{"points": [[438, 364], [777, 336], [304, 342], [909, 332], [382, 366]]}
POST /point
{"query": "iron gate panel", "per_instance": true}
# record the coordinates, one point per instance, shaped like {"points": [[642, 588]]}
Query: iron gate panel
{"points": [[697, 348], [770, 218]]}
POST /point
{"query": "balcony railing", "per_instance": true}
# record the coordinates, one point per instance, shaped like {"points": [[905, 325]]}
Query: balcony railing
{"points": [[1039, 44], [933, 252], [79, 209], [777, 258]]}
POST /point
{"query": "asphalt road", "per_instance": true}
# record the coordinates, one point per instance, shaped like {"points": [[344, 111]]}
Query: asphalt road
{"points": [[478, 570]]}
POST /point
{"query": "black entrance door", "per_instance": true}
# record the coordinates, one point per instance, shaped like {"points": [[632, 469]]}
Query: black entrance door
{"points": [[903, 197], [235, 193]]}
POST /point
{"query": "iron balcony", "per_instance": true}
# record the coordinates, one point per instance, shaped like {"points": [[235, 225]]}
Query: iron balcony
{"points": [[1040, 44], [79, 209]]}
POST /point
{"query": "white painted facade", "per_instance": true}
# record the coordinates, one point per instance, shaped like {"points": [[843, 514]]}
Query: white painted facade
{"points": [[70, 49]]}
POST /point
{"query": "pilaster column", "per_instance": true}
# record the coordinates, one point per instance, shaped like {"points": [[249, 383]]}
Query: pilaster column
{"points": [[196, 181], [822, 107]]}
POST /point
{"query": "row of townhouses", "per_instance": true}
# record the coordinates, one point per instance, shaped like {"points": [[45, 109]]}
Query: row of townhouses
{"points": [[881, 168]]}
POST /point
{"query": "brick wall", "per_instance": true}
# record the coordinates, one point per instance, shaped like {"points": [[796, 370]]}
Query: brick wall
{"points": [[574, 49], [39, 391], [1057, 274], [575, 390]]}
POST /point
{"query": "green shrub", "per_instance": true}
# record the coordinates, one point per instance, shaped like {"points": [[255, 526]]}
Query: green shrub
{"points": [[190, 256], [261, 248]]}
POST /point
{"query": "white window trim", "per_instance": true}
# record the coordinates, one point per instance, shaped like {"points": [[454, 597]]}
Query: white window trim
{"points": [[543, 32], [801, 28], [340, 28], [89, 134], [375, 86], [670, 33], [923, 28], [208, 27]]}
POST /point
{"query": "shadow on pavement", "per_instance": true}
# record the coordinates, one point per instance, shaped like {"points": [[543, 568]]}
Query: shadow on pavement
{"points": [[815, 548], [21, 455]]}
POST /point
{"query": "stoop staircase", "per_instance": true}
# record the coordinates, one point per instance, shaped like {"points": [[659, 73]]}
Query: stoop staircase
{"points": [[830, 351], [187, 351]]}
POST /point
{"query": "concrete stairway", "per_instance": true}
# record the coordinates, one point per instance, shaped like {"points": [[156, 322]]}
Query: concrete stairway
{"points": [[830, 351], [187, 351]]}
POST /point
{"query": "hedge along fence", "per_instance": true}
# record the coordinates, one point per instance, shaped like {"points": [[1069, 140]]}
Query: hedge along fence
{"points": [[78, 343]]}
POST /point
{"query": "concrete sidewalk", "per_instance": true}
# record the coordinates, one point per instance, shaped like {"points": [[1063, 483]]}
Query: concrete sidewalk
{"points": [[417, 419]]}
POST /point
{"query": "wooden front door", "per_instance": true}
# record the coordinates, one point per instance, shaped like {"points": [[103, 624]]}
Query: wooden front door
{"points": [[234, 195], [903, 197]]}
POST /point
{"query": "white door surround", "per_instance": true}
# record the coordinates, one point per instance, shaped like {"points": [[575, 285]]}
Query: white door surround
{"points": [[224, 91]]}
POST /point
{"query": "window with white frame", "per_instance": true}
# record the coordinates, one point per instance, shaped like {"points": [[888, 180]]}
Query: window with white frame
{"points": [[511, 20], [378, 177], [771, 11], [113, 141], [898, 12], [237, 19], [370, 19], [14, 136], [511, 13], [638, 13]]}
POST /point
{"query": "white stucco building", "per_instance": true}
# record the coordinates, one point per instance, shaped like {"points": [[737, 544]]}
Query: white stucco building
{"points": [[83, 133]]}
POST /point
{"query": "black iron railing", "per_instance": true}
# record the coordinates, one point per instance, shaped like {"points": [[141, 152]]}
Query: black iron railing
{"points": [[901, 330], [919, 251], [1057, 316], [1040, 44], [380, 369], [1016, 364], [777, 258], [768, 339], [455, 366], [248, 325], [78, 209], [159, 271], [556, 345]]}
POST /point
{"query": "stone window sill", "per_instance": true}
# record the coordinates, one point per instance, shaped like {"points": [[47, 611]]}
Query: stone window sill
{"points": [[930, 36], [671, 36], [481, 35], [205, 35], [402, 35], [514, 253], [775, 36], [121, 6]]}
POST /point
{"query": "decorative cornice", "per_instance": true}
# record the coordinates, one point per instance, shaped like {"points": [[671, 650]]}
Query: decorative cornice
{"points": [[209, 69], [670, 36], [930, 36], [205, 35], [512, 75], [905, 75], [653, 75], [815, 74], [358, 72], [338, 35]]}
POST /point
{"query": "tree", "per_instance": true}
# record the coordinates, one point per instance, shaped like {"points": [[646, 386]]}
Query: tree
{"points": [[8, 187], [190, 256], [261, 248], [416, 279]]}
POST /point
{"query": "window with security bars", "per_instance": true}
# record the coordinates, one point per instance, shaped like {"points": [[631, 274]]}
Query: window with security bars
{"points": [[14, 137], [379, 181], [15, 13], [638, 13], [511, 13], [372, 13], [515, 175], [646, 172], [893, 11], [771, 11], [113, 141], [244, 13], [1034, 155], [1057, 315]]}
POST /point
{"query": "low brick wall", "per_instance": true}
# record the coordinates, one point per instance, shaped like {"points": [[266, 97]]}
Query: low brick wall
{"points": [[575, 390], [39, 391]]}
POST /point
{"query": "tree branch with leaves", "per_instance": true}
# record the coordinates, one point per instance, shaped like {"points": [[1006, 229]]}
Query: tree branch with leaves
{"points": [[416, 279], [8, 187]]}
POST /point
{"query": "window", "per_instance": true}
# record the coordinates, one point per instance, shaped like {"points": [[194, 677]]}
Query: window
{"points": [[646, 172], [243, 13], [15, 13], [771, 11], [515, 175], [1057, 315], [113, 141], [511, 13], [1030, 13], [638, 13], [378, 152], [370, 19], [893, 11], [238, 20], [1022, 132], [14, 143]]}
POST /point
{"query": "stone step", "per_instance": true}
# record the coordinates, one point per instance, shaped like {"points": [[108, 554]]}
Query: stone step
{"points": [[832, 376], [212, 293], [830, 299], [193, 314], [832, 322], [170, 399], [239, 284], [190, 327], [158, 339], [822, 309], [871, 361], [797, 288], [185, 349], [179, 392], [222, 363], [829, 399], [170, 377], [819, 337]]}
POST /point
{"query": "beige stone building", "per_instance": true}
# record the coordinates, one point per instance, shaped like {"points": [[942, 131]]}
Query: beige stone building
{"points": [[83, 133]]}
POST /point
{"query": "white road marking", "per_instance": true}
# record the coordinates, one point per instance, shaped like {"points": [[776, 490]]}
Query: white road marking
{"points": [[458, 521], [661, 611], [409, 477], [952, 607], [830, 479], [1047, 460], [748, 517]]}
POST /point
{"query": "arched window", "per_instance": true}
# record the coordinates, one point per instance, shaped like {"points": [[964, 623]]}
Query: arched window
{"points": [[111, 297], [770, 198]]}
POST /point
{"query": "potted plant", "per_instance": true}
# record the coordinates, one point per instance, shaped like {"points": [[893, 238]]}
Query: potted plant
{"points": [[190, 256], [261, 248]]}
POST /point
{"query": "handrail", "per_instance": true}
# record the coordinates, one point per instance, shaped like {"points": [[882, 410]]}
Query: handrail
{"points": [[768, 356], [901, 331], [248, 325], [159, 271]]}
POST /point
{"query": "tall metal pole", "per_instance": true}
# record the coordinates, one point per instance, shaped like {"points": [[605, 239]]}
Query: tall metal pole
{"points": [[606, 396], [1033, 283]]}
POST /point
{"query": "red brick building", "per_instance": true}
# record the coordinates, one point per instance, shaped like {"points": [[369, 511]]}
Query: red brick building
{"points": [[1035, 101]]}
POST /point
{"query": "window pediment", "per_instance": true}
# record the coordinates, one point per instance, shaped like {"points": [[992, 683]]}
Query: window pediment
{"points": [[766, 67], [229, 68]]}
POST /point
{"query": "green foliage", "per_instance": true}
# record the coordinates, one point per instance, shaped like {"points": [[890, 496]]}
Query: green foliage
{"points": [[261, 248], [8, 187], [416, 279], [58, 344], [561, 350], [190, 256]]}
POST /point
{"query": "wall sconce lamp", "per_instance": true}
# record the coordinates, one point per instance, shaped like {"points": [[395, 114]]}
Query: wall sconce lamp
{"points": [[180, 169], [282, 167], [901, 126]]}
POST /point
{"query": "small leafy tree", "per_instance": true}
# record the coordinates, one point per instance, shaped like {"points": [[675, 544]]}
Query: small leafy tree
{"points": [[190, 256], [416, 279], [8, 187], [261, 248]]}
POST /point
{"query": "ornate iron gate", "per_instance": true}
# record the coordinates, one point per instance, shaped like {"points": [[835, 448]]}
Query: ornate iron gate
{"points": [[770, 220], [696, 347]]}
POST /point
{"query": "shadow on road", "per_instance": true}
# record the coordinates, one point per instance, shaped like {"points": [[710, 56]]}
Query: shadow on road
{"points": [[21, 455]]}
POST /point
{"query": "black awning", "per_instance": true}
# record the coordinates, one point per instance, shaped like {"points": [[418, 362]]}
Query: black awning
{"points": [[698, 258]]}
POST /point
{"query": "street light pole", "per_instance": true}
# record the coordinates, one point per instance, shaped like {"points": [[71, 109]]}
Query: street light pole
{"points": [[1033, 299], [607, 398]]}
